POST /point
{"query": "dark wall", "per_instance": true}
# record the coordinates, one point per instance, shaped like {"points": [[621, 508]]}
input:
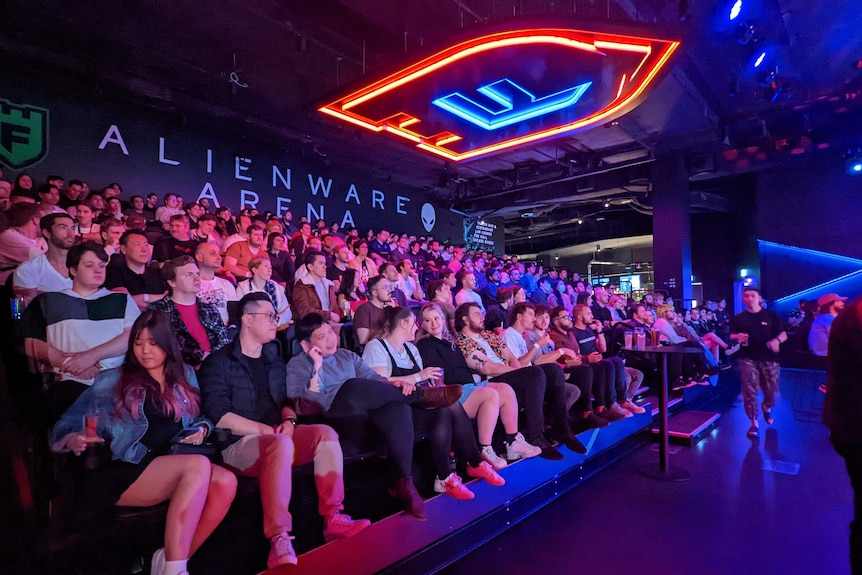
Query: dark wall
{"points": [[816, 206], [56, 126]]}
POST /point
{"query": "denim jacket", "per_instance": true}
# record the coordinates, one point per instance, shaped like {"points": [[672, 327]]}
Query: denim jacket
{"points": [[124, 431]]}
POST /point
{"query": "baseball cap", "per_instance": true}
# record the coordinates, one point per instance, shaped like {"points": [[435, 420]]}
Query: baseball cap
{"points": [[828, 298]]}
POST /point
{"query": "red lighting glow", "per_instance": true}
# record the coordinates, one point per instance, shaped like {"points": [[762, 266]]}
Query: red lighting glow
{"points": [[647, 57]]}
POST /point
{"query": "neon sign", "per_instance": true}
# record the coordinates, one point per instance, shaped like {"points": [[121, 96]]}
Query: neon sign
{"points": [[516, 104], [508, 89]]}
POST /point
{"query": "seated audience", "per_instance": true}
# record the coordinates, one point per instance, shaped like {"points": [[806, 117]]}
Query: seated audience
{"points": [[170, 209], [363, 264], [394, 357], [390, 272], [313, 293], [180, 243], [408, 280], [261, 282], [78, 332], [348, 296], [497, 316], [214, 290], [85, 228], [110, 231], [144, 408], [368, 319], [340, 259], [467, 282], [243, 390], [134, 273], [239, 254], [47, 272], [22, 240], [283, 268], [197, 325], [336, 385], [533, 390], [481, 399]]}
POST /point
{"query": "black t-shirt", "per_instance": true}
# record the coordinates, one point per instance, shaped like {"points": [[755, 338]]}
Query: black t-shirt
{"points": [[170, 248], [496, 317], [603, 314], [440, 353], [151, 281], [266, 410], [760, 327], [335, 274], [586, 340]]}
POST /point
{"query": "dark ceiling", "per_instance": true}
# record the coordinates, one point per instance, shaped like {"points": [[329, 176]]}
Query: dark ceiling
{"points": [[728, 117]]}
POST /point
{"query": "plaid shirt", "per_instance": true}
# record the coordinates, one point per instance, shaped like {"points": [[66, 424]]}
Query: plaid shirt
{"points": [[210, 318], [468, 345]]}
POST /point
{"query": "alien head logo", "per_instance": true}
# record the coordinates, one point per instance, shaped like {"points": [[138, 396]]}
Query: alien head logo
{"points": [[429, 217], [23, 134], [508, 89]]}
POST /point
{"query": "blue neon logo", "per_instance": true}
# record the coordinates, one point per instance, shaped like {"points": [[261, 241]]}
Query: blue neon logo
{"points": [[516, 104]]}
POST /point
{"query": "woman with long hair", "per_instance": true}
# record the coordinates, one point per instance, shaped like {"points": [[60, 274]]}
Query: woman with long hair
{"points": [[261, 281], [144, 408], [483, 401], [447, 429], [283, 266], [348, 295], [364, 265]]}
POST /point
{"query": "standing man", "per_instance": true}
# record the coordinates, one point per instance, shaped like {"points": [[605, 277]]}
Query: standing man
{"points": [[47, 272], [760, 334], [818, 338], [243, 389], [842, 411]]}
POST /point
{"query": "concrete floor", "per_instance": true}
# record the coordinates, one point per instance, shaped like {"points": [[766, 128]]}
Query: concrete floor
{"points": [[732, 517]]}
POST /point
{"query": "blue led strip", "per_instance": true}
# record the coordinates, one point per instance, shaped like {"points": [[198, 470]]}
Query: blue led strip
{"points": [[817, 287], [516, 104], [826, 255]]}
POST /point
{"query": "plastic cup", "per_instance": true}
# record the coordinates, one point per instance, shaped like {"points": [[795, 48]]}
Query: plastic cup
{"points": [[91, 425], [438, 380], [627, 339], [640, 339], [655, 338]]}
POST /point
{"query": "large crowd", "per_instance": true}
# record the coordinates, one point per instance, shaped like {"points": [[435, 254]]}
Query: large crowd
{"points": [[161, 320]]}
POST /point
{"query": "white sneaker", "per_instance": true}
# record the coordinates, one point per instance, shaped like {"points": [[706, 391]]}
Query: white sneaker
{"points": [[519, 448], [617, 408], [488, 454], [157, 565], [632, 407]]}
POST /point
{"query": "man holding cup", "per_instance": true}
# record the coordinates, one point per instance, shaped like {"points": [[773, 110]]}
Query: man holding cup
{"points": [[760, 333]]}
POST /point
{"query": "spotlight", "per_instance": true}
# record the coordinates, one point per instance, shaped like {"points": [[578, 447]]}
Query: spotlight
{"points": [[607, 204], [853, 161], [735, 9], [759, 60], [580, 221]]}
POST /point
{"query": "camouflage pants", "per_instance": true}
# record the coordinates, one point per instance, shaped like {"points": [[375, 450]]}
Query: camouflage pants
{"points": [[758, 375]]}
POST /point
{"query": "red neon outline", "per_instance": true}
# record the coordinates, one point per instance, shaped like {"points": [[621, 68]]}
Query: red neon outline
{"points": [[581, 40]]}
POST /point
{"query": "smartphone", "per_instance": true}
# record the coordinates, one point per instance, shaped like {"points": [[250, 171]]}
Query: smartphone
{"points": [[184, 433]]}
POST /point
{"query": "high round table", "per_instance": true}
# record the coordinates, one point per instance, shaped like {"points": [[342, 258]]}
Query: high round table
{"points": [[664, 471]]}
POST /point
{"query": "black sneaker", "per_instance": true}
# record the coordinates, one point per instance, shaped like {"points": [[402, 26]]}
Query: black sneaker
{"points": [[548, 451], [570, 441]]}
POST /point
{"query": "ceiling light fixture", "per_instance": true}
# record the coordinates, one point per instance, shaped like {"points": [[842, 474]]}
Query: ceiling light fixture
{"points": [[853, 161], [735, 9]]}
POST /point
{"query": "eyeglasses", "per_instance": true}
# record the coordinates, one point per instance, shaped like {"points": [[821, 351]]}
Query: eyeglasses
{"points": [[567, 316], [272, 317]]}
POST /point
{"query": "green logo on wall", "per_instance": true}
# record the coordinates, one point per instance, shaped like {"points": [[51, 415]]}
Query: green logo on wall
{"points": [[23, 134]]}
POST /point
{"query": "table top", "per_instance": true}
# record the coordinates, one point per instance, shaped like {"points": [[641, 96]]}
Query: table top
{"points": [[670, 349]]}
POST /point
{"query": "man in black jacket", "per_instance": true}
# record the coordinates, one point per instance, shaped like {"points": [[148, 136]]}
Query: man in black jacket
{"points": [[242, 389]]}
